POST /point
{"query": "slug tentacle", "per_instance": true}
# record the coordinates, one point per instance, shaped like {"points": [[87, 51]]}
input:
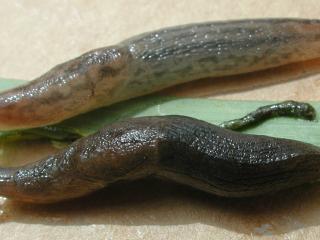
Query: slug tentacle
{"points": [[156, 60], [178, 148]]}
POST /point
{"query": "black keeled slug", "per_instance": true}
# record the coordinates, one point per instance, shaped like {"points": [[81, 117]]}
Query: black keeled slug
{"points": [[156, 60], [178, 148]]}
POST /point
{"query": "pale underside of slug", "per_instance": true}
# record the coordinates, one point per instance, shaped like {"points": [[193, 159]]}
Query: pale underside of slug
{"points": [[154, 61], [177, 148]]}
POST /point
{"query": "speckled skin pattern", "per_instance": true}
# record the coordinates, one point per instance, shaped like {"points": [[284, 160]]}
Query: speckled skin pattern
{"points": [[154, 61], [177, 148]]}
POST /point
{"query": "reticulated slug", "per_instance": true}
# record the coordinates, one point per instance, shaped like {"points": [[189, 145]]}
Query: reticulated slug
{"points": [[156, 60], [178, 148]]}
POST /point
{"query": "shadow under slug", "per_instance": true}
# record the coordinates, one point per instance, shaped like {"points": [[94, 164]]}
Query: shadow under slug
{"points": [[226, 87], [153, 202]]}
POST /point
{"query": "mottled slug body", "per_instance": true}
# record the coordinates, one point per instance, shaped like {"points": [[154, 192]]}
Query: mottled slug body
{"points": [[178, 148], [156, 60]]}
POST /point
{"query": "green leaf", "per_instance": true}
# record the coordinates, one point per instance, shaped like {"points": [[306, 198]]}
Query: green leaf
{"points": [[6, 84], [210, 110]]}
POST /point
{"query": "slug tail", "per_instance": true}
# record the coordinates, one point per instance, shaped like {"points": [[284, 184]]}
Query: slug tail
{"points": [[69, 89]]}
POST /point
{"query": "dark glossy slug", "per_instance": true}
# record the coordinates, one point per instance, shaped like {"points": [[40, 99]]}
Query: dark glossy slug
{"points": [[178, 148], [156, 60]]}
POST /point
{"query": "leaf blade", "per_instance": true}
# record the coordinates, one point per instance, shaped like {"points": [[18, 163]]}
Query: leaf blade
{"points": [[210, 110]]}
